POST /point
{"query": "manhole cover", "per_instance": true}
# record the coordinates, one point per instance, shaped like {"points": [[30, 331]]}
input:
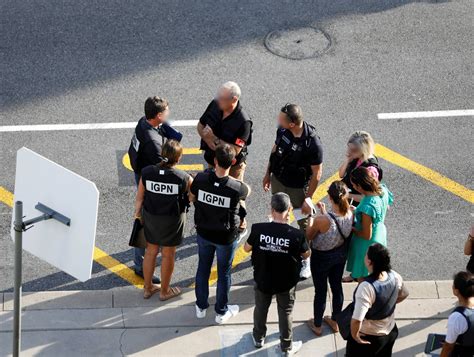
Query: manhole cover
{"points": [[306, 42]]}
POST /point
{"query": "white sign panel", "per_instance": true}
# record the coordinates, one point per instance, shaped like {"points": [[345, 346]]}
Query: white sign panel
{"points": [[69, 248]]}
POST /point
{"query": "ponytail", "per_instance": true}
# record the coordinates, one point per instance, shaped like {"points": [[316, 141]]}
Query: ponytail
{"points": [[339, 194]]}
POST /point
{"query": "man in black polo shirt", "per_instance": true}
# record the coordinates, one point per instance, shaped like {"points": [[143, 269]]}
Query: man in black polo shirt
{"points": [[296, 162], [216, 198], [225, 122], [277, 250], [145, 150]]}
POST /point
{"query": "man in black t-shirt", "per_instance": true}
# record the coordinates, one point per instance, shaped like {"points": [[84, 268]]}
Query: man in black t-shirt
{"points": [[217, 198], [277, 250], [226, 122], [296, 163]]}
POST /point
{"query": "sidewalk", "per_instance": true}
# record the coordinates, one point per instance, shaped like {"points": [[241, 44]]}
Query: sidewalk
{"points": [[120, 322]]}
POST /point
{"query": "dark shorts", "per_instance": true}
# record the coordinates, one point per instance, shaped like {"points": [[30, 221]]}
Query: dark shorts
{"points": [[165, 231]]}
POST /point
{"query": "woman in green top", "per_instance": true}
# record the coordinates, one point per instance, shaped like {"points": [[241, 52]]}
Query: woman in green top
{"points": [[369, 219]]}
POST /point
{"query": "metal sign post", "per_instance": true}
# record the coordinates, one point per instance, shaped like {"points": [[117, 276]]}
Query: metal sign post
{"points": [[20, 226]]}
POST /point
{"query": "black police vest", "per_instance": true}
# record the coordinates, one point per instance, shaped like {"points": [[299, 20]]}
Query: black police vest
{"points": [[466, 340], [165, 190], [386, 295], [289, 161], [144, 133], [217, 203]]}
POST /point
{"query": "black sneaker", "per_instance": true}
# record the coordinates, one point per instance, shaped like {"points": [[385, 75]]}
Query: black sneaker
{"points": [[258, 343], [154, 280]]}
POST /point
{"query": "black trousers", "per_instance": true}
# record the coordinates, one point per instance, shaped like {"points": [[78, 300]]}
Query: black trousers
{"points": [[285, 303], [380, 346]]}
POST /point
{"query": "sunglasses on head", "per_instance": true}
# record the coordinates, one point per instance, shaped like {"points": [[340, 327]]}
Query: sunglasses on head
{"points": [[285, 109]]}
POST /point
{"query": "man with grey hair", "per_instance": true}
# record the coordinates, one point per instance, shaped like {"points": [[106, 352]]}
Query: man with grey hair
{"points": [[225, 122], [277, 251]]}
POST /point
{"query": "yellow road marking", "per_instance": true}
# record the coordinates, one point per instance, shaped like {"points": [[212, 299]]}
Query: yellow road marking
{"points": [[100, 256], [186, 151], [241, 254], [192, 151], [426, 173], [191, 167], [117, 268]]}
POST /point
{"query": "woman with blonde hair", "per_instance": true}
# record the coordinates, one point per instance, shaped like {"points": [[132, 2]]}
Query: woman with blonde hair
{"points": [[161, 204], [360, 153]]}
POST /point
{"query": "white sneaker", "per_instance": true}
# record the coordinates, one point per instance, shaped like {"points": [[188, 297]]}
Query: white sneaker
{"points": [[232, 310], [295, 347], [305, 272], [258, 344], [200, 313]]}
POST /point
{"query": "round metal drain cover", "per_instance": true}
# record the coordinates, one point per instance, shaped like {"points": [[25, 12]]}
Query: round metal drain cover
{"points": [[302, 43]]}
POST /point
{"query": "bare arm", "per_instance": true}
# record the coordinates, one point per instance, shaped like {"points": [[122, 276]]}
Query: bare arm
{"points": [[247, 247], [402, 294], [206, 135], [317, 171], [366, 231], [191, 197], [306, 254], [266, 179], [447, 349], [343, 167], [355, 332], [469, 245], [139, 199]]}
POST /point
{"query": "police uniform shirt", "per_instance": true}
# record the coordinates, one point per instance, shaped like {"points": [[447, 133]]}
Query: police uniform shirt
{"points": [[147, 141], [310, 145], [216, 206], [234, 129], [276, 256], [164, 190]]}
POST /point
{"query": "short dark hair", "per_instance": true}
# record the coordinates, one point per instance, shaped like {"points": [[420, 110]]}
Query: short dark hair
{"points": [[380, 258], [293, 112], [155, 105], [464, 283], [280, 202], [225, 154]]}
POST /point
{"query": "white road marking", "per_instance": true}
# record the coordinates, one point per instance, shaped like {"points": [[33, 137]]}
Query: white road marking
{"points": [[86, 126], [430, 114]]}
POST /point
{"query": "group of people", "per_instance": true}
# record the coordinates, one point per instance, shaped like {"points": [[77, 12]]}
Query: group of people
{"points": [[348, 234]]}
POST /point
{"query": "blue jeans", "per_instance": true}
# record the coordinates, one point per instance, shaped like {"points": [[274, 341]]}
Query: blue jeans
{"points": [[327, 266], [138, 253], [225, 256]]}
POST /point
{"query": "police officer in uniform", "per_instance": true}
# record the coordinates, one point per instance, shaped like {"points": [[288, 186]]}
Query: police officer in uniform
{"points": [[277, 250], [162, 202], [216, 198], [295, 165], [225, 122], [145, 150]]}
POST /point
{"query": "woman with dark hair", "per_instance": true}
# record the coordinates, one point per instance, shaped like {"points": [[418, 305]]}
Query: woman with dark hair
{"points": [[369, 220], [469, 250], [459, 340], [328, 234], [373, 327], [161, 203]]}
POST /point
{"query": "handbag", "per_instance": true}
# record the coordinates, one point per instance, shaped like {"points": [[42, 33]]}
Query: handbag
{"points": [[137, 238], [343, 320]]}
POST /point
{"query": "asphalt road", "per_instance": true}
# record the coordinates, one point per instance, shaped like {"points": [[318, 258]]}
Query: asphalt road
{"points": [[86, 62]]}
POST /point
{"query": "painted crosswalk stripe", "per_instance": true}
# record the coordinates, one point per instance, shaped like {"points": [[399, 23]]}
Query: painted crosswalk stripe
{"points": [[86, 126], [428, 114]]}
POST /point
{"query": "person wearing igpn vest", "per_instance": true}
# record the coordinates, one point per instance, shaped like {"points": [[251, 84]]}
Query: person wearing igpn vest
{"points": [[145, 150], [459, 340], [216, 198], [225, 122], [277, 251], [295, 165], [373, 328], [162, 202]]}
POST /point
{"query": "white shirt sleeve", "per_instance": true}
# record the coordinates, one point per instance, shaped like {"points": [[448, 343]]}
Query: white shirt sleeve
{"points": [[364, 299], [457, 325]]}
